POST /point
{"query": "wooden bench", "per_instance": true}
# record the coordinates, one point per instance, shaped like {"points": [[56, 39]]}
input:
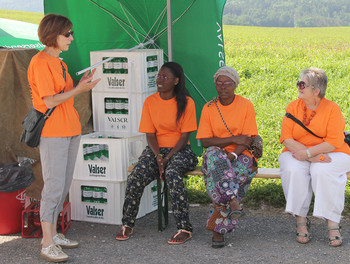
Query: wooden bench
{"points": [[265, 173]]}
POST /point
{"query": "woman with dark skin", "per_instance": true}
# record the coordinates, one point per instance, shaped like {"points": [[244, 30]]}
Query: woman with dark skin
{"points": [[168, 118]]}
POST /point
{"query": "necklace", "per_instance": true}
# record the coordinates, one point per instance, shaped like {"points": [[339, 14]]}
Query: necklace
{"points": [[306, 121]]}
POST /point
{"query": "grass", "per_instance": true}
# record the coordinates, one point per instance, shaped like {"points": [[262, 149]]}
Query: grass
{"points": [[269, 61], [30, 17]]}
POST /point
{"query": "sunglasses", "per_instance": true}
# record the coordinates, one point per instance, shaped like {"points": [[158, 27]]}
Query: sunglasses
{"points": [[226, 84], [68, 34], [302, 85], [163, 77]]}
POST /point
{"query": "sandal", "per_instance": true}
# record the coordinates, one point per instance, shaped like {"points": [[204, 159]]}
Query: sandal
{"points": [[218, 244], [124, 233], [304, 235], [335, 238], [234, 215], [182, 239]]}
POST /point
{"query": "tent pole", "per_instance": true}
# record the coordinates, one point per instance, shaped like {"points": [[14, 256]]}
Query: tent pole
{"points": [[170, 32]]}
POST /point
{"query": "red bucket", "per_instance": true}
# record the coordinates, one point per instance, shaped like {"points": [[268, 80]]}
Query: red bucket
{"points": [[11, 206]]}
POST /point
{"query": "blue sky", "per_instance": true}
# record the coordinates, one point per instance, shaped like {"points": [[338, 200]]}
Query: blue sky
{"points": [[23, 5]]}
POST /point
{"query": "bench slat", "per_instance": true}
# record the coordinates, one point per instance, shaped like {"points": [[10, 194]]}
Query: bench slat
{"points": [[265, 173]]}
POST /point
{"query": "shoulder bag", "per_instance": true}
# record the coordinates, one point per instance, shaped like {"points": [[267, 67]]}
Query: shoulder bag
{"points": [[296, 120], [34, 122]]}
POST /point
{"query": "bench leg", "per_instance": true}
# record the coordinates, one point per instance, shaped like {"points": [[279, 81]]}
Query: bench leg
{"points": [[162, 196]]}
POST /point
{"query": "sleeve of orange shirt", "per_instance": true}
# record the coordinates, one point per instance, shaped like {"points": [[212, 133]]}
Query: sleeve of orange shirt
{"points": [[189, 122], [204, 129], [146, 123], [250, 127], [287, 125], [335, 127]]}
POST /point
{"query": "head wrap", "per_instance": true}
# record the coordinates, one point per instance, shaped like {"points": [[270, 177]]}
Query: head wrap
{"points": [[229, 72]]}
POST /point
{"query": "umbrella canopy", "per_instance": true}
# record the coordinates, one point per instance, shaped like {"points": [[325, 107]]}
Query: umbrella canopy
{"points": [[123, 24], [18, 34]]}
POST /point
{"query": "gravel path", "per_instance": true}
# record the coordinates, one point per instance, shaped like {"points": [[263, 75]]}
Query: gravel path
{"points": [[262, 236]]}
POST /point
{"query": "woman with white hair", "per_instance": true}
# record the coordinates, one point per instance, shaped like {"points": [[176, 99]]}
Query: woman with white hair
{"points": [[226, 129], [315, 158]]}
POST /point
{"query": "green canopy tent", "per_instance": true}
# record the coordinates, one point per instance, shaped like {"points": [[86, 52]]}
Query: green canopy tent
{"points": [[197, 37], [18, 34]]}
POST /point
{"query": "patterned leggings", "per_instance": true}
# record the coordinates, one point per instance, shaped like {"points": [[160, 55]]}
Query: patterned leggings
{"points": [[146, 170], [224, 181]]}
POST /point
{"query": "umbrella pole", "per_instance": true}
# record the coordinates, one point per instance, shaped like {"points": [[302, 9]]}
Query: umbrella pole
{"points": [[170, 32]]}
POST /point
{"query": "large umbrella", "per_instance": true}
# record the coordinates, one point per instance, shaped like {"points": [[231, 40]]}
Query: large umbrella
{"points": [[197, 42], [18, 34]]}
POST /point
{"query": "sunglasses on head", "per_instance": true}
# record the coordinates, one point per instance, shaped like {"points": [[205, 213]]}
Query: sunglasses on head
{"points": [[301, 85], [68, 34]]}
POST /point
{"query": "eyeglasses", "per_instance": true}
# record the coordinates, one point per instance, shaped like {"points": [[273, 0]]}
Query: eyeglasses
{"points": [[301, 85], [68, 34], [226, 83], [163, 77]]}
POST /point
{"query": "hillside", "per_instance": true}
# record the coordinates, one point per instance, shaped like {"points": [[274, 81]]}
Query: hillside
{"points": [[287, 13]]}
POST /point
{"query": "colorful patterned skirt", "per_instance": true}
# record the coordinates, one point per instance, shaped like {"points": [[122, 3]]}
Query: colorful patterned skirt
{"points": [[224, 181]]}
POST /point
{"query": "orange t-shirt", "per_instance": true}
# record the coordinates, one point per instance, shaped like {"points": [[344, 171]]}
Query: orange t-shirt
{"points": [[327, 123], [159, 116], [45, 76], [239, 117]]}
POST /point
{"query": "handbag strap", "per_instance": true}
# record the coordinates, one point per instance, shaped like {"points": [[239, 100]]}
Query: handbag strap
{"points": [[49, 111], [215, 100], [296, 120]]}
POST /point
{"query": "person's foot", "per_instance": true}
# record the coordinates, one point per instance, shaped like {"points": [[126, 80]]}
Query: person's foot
{"points": [[218, 240], [180, 237], [335, 238], [303, 235], [53, 253], [124, 233], [61, 240]]}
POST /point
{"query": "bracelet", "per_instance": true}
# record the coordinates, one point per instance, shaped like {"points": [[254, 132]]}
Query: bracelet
{"points": [[234, 154], [158, 155], [308, 153]]}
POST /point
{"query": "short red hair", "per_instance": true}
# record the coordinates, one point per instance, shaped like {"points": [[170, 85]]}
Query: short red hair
{"points": [[51, 26]]}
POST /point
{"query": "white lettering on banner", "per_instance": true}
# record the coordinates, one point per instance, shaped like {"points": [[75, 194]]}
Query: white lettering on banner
{"points": [[221, 53]]}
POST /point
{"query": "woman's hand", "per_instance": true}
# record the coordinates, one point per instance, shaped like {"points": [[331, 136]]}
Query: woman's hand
{"points": [[161, 165], [322, 158], [300, 154], [86, 84]]}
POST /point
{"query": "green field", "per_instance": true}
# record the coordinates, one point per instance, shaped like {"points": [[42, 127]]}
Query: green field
{"points": [[269, 61], [30, 17]]}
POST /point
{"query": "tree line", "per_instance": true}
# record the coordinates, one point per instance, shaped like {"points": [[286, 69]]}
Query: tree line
{"points": [[287, 13]]}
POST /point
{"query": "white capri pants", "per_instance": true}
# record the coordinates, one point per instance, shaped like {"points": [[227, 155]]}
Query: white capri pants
{"points": [[58, 156], [327, 181]]}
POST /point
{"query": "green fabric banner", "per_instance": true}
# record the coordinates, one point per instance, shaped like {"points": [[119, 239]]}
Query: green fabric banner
{"points": [[122, 24]]}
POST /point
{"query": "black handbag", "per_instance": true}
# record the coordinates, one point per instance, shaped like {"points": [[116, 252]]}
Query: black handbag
{"points": [[34, 122]]}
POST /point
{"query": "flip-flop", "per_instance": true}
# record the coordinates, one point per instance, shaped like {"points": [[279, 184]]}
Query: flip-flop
{"points": [[123, 235], [173, 240], [218, 244], [234, 215]]}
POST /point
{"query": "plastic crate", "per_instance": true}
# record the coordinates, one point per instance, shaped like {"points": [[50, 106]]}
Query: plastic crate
{"points": [[31, 225], [103, 156], [102, 201], [132, 71], [119, 113]]}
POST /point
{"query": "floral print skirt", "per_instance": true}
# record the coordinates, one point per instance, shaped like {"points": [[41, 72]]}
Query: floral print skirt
{"points": [[224, 181]]}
